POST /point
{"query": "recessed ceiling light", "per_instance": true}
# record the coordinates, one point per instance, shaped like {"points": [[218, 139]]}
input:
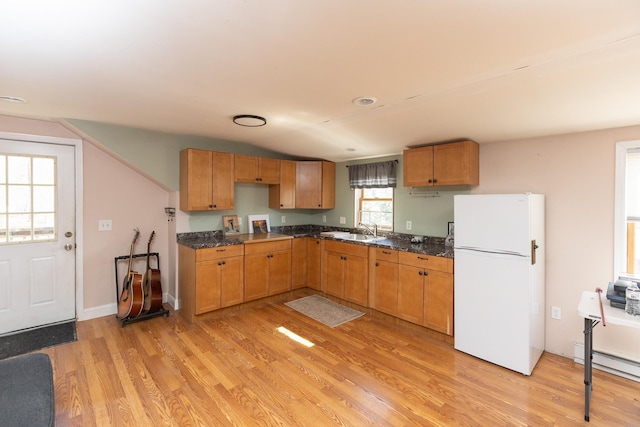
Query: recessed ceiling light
{"points": [[363, 101], [13, 99], [249, 120]]}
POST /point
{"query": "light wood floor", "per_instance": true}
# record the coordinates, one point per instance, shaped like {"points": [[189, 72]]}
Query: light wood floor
{"points": [[238, 370]]}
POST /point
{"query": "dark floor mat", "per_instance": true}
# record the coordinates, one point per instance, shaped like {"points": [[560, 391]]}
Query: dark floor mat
{"points": [[38, 338]]}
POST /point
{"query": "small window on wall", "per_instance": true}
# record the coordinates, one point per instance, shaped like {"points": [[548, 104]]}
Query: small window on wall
{"points": [[375, 206], [627, 210]]}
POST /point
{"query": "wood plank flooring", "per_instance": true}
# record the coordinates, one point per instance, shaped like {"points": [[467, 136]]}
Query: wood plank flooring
{"points": [[238, 370]]}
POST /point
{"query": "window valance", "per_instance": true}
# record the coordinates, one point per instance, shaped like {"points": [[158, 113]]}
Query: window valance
{"points": [[373, 175]]}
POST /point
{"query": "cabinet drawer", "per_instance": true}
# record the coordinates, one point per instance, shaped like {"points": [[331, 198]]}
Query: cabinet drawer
{"points": [[219, 252], [383, 254], [346, 248], [429, 262], [262, 247]]}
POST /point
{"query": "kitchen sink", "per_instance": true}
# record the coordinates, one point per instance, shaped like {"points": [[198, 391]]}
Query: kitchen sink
{"points": [[357, 237]]}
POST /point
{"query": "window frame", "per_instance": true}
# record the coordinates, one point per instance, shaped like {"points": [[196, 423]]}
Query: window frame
{"points": [[620, 219], [359, 198]]}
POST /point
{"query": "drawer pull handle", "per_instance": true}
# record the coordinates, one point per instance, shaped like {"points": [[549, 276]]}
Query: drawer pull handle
{"points": [[386, 252], [423, 258], [220, 250]]}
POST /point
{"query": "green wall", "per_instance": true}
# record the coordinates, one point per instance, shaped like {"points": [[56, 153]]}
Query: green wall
{"points": [[157, 155]]}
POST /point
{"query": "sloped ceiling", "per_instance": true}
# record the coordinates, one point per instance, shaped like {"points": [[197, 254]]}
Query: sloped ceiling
{"points": [[440, 69]]}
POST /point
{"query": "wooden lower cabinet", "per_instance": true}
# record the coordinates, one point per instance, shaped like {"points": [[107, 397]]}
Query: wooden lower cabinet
{"points": [[425, 291], [383, 284], [314, 264], [438, 302], [299, 262], [345, 271], [411, 284], [267, 269], [210, 278]]}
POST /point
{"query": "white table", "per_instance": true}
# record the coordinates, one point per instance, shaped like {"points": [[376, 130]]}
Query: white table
{"points": [[589, 308]]}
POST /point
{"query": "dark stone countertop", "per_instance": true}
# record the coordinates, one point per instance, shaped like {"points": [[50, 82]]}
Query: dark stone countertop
{"points": [[433, 246]]}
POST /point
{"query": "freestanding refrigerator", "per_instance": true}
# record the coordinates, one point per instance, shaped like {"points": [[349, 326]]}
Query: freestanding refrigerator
{"points": [[499, 278]]}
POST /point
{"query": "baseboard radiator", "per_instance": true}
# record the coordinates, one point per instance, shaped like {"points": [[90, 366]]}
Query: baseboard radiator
{"points": [[609, 363]]}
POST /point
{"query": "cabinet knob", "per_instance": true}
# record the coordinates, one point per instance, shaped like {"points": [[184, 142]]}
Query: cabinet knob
{"points": [[420, 273], [435, 180], [377, 264]]}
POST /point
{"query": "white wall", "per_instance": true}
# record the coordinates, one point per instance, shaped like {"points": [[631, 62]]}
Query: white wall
{"points": [[576, 173], [116, 192]]}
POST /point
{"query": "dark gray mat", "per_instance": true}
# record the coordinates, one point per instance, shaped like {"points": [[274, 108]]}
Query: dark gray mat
{"points": [[27, 395], [38, 338]]}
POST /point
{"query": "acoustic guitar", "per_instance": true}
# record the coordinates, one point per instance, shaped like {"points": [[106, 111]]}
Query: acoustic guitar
{"points": [[132, 296], [152, 285]]}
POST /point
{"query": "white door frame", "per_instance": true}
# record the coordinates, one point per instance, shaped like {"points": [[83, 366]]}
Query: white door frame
{"points": [[77, 143]]}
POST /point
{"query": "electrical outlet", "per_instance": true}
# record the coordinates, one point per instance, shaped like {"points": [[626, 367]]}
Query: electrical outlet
{"points": [[324, 218], [104, 225], [556, 313], [239, 220], [343, 220], [283, 219], [408, 227]]}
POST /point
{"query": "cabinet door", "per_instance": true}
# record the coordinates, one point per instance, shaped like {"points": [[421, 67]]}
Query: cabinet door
{"points": [[333, 277], [196, 180], [269, 170], [308, 185], [356, 280], [279, 272], [246, 168], [456, 164], [417, 168], [299, 262], [438, 302], [222, 172], [411, 293], [328, 191], [282, 195], [232, 282], [385, 292], [256, 279], [314, 265], [207, 295]]}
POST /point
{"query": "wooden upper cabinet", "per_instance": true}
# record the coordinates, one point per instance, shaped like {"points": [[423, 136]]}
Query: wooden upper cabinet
{"points": [[455, 163], [206, 180], [259, 170], [283, 194], [315, 185]]}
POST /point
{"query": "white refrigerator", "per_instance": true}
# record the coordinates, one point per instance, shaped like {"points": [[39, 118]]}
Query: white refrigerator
{"points": [[499, 278]]}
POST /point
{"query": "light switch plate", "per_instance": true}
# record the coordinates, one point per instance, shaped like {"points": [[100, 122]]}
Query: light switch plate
{"points": [[343, 220]]}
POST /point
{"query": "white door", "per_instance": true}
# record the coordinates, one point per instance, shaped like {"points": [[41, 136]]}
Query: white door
{"points": [[498, 222], [37, 234]]}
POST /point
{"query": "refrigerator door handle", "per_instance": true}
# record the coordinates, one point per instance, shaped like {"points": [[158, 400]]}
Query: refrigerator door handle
{"points": [[499, 252], [533, 251]]}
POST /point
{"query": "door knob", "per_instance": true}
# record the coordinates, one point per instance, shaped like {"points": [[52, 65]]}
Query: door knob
{"points": [[68, 247]]}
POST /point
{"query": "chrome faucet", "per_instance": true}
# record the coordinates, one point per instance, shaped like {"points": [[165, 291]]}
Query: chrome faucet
{"points": [[369, 228]]}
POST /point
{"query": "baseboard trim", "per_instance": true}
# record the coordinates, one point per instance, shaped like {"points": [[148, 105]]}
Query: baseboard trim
{"points": [[606, 362]]}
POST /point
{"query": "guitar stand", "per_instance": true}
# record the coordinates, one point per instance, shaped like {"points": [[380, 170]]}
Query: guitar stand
{"points": [[143, 316]]}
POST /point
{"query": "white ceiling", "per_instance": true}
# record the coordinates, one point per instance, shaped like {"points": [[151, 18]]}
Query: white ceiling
{"points": [[441, 69]]}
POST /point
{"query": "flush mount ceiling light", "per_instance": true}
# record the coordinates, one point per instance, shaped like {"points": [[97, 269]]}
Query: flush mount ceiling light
{"points": [[249, 120], [363, 101], [12, 99]]}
